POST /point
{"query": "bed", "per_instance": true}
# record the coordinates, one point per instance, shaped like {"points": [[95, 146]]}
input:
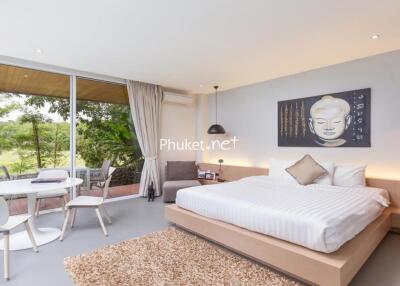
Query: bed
{"points": [[318, 217], [329, 252]]}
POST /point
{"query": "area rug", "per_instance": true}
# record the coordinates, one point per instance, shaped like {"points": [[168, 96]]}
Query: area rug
{"points": [[169, 257]]}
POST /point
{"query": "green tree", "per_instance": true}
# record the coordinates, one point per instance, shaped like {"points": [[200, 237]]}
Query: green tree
{"points": [[25, 162], [7, 131], [33, 136], [109, 136], [35, 119], [6, 105], [105, 131]]}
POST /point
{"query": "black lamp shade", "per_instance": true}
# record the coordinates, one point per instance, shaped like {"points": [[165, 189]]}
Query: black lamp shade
{"points": [[216, 129]]}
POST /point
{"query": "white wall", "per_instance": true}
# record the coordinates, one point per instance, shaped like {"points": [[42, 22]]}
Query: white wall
{"points": [[178, 122], [250, 113], [202, 125]]}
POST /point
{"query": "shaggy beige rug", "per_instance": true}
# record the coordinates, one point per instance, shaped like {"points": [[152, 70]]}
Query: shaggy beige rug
{"points": [[169, 257]]}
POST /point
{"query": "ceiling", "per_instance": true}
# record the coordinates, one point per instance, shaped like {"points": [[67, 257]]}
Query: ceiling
{"points": [[192, 45]]}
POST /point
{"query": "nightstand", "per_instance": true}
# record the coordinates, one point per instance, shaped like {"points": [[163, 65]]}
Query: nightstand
{"points": [[209, 182]]}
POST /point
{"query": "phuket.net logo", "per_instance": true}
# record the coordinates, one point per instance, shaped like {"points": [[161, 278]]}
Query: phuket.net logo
{"points": [[190, 145]]}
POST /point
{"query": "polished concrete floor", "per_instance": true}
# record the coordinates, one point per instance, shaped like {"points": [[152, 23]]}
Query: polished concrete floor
{"points": [[137, 217], [18, 206]]}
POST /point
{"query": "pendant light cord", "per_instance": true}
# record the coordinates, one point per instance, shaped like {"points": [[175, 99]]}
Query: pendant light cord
{"points": [[216, 104]]}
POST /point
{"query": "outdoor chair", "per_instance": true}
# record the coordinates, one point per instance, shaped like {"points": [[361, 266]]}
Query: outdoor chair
{"points": [[7, 223], [61, 194], [7, 177], [6, 173], [99, 180], [89, 202]]}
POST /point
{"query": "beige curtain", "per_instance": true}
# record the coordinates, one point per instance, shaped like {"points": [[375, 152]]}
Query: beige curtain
{"points": [[145, 103]]}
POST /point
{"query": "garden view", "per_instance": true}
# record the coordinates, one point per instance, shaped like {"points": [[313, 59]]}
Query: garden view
{"points": [[35, 132]]}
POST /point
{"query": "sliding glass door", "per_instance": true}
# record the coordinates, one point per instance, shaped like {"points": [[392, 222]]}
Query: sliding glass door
{"points": [[34, 124], [105, 135], [36, 127]]}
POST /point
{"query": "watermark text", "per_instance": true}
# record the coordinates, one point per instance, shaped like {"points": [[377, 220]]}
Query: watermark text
{"points": [[188, 145]]}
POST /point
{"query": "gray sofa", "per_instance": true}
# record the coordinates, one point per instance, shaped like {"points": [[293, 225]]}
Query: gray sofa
{"points": [[179, 175]]}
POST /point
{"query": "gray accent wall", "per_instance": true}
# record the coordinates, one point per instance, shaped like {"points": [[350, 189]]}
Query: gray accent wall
{"points": [[250, 114]]}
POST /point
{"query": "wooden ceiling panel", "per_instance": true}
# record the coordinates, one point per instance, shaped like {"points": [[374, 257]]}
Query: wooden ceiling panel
{"points": [[94, 90], [28, 81]]}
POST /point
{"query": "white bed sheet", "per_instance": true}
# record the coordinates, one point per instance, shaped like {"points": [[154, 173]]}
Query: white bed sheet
{"points": [[319, 217]]}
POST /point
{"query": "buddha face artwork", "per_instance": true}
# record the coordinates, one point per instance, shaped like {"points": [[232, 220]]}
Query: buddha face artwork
{"points": [[333, 120], [329, 118]]}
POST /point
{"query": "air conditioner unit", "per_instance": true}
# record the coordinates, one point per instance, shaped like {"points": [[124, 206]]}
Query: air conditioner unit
{"points": [[176, 98]]}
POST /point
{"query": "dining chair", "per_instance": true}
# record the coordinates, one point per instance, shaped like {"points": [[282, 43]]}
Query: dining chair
{"points": [[6, 177], [89, 202], [61, 194], [103, 175], [5, 172], [7, 223]]}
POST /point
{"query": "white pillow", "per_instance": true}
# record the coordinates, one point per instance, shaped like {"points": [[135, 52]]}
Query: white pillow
{"points": [[349, 176], [328, 179], [277, 169]]}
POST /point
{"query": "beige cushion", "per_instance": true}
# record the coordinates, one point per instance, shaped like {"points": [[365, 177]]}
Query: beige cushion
{"points": [[306, 170]]}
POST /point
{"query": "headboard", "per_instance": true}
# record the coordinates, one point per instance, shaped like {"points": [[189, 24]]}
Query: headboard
{"points": [[232, 173]]}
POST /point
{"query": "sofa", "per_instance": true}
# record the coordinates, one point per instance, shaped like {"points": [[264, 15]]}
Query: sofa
{"points": [[179, 175]]}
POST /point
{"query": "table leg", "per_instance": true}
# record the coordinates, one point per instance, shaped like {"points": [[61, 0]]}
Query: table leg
{"points": [[20, 240]]}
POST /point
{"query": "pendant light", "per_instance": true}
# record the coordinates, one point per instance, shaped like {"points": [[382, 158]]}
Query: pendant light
{"points": [[216, 128]]}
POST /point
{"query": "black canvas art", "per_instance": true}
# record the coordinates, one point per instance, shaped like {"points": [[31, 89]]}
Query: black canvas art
{"points": [[334, 120]]}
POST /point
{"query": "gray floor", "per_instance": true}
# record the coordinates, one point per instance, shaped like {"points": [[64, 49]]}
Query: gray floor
{"points": [[136, 217]]}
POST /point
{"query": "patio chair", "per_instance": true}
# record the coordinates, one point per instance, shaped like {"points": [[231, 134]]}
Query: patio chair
{"points": [[61, 194], [7, 177], [103, 175], [6, 173], [7, 223], [89, 202]]}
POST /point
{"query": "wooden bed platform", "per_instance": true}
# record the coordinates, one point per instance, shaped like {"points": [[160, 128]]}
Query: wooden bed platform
{"points": [[313, 267], [333, 269]]}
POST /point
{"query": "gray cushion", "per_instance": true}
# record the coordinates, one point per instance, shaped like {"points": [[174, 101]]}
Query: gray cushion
{"points": [[170, 188], [181, 170]]}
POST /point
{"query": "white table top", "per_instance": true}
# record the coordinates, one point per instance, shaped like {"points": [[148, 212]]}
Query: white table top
{"points": [[17, 187]]}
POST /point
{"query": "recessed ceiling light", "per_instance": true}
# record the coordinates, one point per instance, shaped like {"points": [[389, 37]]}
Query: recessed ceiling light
{"points": [[25, 76], [375, 36], [39, 51], [201, 86]]}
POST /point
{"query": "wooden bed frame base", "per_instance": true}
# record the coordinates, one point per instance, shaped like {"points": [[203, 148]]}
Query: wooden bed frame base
{"points": [[333, 269]]}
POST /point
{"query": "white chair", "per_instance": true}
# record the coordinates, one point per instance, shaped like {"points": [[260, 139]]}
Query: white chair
{"points": [[60, 193], [89, 202], [7, 223], [104, 173]]}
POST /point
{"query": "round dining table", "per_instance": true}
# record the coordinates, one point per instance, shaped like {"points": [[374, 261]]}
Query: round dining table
{"points": [[20, 240]]}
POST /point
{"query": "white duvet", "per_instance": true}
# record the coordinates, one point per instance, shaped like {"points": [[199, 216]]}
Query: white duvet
{"points": [[319, 217]]}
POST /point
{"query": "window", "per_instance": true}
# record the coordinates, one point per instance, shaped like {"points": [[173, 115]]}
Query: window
{"points": [[35, 125], [105, 131]]}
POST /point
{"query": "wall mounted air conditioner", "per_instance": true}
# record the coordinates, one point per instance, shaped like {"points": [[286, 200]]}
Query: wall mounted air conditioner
{"points": [[176, 98]]}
